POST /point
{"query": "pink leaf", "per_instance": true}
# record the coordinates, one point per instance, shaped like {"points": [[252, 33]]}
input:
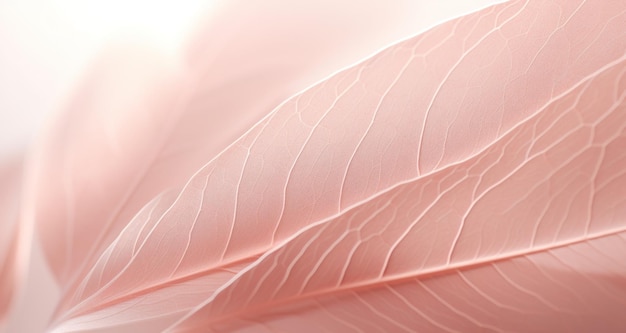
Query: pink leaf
{"points": [[485, 143], [528, 235], [141, 124]]}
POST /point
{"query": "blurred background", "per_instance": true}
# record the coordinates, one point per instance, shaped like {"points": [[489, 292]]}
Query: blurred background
{"points": [[45, 46]]}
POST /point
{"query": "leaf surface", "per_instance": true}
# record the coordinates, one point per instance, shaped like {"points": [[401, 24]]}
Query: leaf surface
{"points": [[528, 235], [435, 113], [141, 124]]}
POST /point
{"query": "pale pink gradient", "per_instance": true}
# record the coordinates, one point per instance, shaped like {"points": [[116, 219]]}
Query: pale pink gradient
{"points": [[307, 168], [10, 178]]}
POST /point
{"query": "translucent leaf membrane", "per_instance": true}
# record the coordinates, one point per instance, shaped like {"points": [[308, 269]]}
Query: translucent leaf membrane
{"points": [[482, 120], [142, 123], [528, 235]]}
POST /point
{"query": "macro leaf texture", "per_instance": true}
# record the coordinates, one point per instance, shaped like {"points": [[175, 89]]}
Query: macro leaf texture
{"points": [[116, 146], [367, 169], [470, 178], [446, 252]]}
